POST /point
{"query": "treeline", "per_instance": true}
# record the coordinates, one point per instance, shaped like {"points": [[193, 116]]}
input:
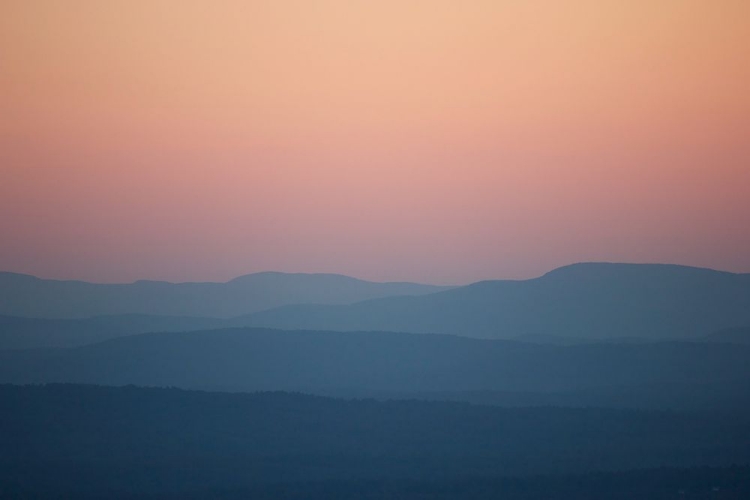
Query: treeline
{"points": [[698, 483], [87, 440]]}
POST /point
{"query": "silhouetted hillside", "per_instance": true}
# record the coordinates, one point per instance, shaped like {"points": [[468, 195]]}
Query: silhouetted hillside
{"points": [[387, 364], [78, 440], [23, 295], [580, 301]]}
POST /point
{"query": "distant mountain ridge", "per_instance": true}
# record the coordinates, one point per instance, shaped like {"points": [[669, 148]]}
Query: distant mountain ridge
{"points": [[25, 295], [593, 300], [581, 302]]}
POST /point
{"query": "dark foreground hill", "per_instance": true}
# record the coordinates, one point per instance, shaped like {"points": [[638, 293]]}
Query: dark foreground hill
{"points": [[386, 364], [24, 295], [65, 441], [594, 301]]}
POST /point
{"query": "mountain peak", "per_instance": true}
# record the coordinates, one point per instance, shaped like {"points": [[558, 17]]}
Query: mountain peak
{"points": [[610, 268]]}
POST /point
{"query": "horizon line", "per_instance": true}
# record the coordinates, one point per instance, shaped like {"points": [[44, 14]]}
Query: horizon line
{"points": [[348, 276]]}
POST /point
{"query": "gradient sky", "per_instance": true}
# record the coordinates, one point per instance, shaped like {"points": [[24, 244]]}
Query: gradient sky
{"points": [[428, 140]]}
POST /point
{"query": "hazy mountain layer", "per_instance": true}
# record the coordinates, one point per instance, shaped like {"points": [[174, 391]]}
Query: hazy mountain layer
{"points": [[664, 374], [580, 301], [28, 333], [23, 295], [619, 303]]}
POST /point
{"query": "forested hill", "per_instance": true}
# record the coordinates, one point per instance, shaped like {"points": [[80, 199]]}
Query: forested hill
{"points": [[80, 440]]}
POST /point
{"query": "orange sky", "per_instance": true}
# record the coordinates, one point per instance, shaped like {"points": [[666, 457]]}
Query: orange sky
{"points": [[438, 141]]}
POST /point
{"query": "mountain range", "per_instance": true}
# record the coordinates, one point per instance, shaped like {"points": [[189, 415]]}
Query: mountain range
{"points": [[402, 365], [595, 300], [25, 295], [592, 381], [574, 304]]}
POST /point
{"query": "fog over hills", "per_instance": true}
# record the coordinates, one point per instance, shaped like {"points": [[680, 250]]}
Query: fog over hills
{"points": [[24, 295], [594, 300]]}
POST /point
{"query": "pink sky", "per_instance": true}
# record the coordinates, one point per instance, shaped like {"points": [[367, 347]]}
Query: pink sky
{"points": [[435, 141]]}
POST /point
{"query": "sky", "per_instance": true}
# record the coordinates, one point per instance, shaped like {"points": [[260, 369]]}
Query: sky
{"points": [[424, 140]]}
